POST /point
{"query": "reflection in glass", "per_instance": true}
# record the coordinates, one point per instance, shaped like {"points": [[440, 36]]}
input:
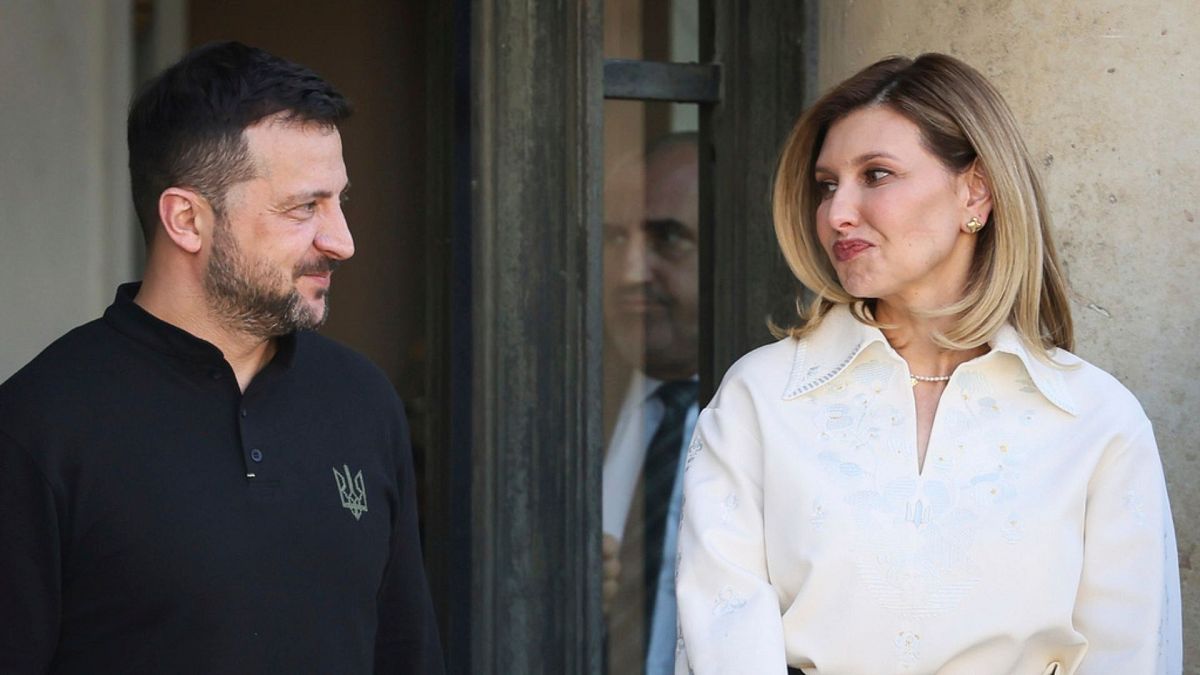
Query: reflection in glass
{"points": [[651, 288], [651, 284]]}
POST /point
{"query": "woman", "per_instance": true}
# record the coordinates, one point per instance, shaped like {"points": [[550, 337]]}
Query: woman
{"points": [[922, 478]]}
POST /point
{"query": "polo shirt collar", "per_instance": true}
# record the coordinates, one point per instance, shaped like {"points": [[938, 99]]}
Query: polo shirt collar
{"points": [[828, 351], [130, 319]]}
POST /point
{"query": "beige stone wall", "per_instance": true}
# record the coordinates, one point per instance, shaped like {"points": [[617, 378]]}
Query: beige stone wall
{"points": [[1107, 94], [67, 225]]}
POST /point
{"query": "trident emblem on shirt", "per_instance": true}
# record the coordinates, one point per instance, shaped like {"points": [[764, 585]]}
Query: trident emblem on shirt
{"points": [[352, 491]]}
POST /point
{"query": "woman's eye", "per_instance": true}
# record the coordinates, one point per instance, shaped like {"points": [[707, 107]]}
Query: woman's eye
{"points": [[876, 175], [826, 188]]}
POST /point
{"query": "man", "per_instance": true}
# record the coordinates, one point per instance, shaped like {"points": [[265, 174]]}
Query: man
{"points": [[196, 482], [650, 307]]}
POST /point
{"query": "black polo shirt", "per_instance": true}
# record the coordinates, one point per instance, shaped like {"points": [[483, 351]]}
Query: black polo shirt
{"points": [[153, 519]]}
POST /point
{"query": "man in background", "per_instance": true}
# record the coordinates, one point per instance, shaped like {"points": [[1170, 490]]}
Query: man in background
{"points": [[651, 288], [196, 481]]}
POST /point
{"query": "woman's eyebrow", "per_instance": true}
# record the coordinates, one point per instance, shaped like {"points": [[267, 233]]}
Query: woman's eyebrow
{"points": [[858, 161]]}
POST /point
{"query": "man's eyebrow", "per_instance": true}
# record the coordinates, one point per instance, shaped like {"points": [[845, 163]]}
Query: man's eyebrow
{"points": [[857, 161], [308, 196], [661, 226], [315, 194]]}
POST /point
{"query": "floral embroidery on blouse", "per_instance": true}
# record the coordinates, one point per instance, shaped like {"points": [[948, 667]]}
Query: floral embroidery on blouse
{"points": [[727, 602], [908, 646], [694, 449], [811, 531]]}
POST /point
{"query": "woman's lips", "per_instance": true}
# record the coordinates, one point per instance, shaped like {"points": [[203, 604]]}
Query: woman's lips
{"points": [[848, 249]]}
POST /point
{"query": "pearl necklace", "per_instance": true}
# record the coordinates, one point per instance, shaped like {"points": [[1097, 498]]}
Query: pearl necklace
{"points": [[928, 378]]}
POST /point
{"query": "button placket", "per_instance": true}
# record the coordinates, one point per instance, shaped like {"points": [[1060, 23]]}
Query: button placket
{"points": [[252, 453]]}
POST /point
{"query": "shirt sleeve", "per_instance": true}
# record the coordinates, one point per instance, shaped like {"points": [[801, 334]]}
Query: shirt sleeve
{"points": [[30, 567], [407, 638], [729, 615], [1128, 606]]}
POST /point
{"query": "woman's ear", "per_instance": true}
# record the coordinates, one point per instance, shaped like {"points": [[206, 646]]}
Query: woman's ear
{"points": [[978, 192], [183, 215]]}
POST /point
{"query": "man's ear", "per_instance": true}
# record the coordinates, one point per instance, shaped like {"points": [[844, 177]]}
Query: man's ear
{"points": [[185, 217], [979, 194]]}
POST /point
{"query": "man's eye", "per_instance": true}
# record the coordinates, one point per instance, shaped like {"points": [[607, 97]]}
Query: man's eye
{"points": [[673, 244], [667, 242], [305, 210]]}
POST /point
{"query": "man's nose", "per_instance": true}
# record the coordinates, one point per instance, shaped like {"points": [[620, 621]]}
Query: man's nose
{"points": [[634, 262], [334, 239]]}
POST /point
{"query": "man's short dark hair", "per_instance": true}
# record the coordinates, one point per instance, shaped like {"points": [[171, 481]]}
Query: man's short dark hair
{"points": [[185, 126]]}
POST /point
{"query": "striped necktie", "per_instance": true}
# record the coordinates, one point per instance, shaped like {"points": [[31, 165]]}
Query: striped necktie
{"points": [[662, 462]]}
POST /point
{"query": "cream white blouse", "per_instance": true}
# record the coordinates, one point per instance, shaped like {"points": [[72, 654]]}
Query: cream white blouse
{"points": [[1037, 538]]}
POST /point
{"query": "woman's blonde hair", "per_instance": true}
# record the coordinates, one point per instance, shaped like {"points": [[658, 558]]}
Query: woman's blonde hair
{"points": [[1015, 276]]}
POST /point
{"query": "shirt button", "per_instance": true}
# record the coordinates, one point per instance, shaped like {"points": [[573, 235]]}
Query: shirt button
{"points": [[256, 455], [214, 374], [244, 413]]}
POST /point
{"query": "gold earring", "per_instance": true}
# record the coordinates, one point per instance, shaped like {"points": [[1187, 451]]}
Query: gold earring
{"points": [[973, 225]]}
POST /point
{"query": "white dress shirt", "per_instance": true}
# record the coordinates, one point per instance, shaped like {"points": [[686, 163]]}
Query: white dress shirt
{"points": [[1036, 539], [641, 413]]}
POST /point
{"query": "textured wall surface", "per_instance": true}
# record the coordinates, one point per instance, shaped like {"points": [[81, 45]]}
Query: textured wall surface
{"points": [[1106, 93], [67, 223]]}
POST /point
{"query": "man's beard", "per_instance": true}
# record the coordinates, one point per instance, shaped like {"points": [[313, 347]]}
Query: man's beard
{"points": [[254, 298]]}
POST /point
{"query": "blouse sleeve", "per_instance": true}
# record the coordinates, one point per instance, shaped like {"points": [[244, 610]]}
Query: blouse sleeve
{"points": [[729, 614], [1128, 606]]}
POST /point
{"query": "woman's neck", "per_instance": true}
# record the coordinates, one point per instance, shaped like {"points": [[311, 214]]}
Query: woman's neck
{"points": [[912, 336]]}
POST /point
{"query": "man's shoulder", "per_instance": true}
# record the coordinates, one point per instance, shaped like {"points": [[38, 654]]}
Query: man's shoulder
{"points": [[319, 349], [64, 359], [325, 358], [349, 385], [67, 373]]}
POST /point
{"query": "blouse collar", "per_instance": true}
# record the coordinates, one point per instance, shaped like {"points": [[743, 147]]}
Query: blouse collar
{"points": [[827, 352]]}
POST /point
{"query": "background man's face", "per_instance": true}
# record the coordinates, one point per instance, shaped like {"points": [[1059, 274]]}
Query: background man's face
{"points": [[651, 263], [283, 232]]}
